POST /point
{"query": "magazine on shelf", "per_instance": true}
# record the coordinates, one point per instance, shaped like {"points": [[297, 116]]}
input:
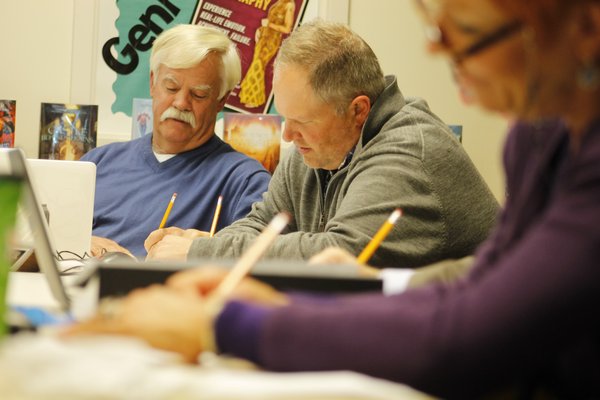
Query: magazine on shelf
{"points": [[67, 131], [8, 111], [141, 117]]}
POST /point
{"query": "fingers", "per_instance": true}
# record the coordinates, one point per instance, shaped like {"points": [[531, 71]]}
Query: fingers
{"points": [[333, 255], [163, 317], [205, 280], [153, 238], [96, 248], [170, 248], [336, 255], [194, 233], [368, 271], [200, 280], [96, 325], [259, 293], [159, 234]]}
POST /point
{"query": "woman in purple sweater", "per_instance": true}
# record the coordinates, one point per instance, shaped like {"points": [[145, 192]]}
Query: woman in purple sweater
{"points": [[525, 320]]}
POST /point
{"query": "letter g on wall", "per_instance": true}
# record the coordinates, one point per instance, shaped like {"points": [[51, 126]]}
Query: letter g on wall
{"points": [[116, 65]]}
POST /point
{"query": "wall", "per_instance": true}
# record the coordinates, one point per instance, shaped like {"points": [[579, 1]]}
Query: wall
{"points": [[395, 34], [44, 61], [36, 60]]}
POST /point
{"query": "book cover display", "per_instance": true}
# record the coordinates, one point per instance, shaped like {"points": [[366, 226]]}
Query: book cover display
{"points": [[257, 28], [141, 117], [67, 131], [256, 135], [8, 111]]}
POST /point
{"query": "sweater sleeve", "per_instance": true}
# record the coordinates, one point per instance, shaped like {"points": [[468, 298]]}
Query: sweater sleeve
{"points": [[237, 329]]}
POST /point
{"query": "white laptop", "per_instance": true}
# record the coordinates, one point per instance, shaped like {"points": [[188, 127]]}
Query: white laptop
{"points": [[65, 190], [12, 161]]}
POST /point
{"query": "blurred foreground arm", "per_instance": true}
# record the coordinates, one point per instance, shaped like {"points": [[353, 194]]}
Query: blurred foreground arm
{"points": [[178, 316]]}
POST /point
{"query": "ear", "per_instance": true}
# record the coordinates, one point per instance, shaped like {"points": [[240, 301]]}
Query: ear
{"points": [[359, 109], [151, 82]]}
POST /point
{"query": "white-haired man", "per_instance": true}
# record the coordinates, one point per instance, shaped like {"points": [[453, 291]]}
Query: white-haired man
{"points": [[193, 70]]}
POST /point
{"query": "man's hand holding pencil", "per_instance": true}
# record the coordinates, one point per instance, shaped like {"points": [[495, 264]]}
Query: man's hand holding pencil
{"points": [[172, 241], [336, 255]]}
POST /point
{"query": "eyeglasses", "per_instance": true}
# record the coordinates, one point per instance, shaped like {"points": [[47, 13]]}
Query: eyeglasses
{"points": [[435, 34]]}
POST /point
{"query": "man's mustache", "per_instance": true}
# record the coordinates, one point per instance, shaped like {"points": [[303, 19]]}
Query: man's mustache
{"points": [[184, 116]]}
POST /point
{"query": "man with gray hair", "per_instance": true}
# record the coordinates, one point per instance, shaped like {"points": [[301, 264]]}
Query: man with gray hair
{"points": [[361, 150], [193, 69]]}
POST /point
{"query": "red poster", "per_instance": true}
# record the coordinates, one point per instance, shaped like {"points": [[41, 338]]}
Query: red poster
{"points": [[258, 28]]}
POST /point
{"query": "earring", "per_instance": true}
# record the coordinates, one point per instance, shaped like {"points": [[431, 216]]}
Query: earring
{"points": [[588, 76]]}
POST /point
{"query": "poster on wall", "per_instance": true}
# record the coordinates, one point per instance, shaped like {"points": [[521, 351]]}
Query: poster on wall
{"points": [[8, 112], [258, 28], [122, 67], [127, 53], [67, 131], [141, 117], [256, 135]]}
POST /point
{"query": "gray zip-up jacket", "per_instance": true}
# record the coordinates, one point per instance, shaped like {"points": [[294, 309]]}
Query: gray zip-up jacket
{"points": [[406, 157]]}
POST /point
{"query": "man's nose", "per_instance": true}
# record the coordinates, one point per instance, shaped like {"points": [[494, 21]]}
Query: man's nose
{"points": [[289, 133], [182, 101]]}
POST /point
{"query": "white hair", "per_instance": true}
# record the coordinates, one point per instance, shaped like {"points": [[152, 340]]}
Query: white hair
{"points": [[186, 45]]}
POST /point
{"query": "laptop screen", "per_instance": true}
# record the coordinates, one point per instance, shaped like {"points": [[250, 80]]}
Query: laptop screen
{"points": [[66, 189], [44, 248]]}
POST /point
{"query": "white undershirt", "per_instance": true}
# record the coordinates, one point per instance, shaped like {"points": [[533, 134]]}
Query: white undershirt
{"points": [[161, 157]]}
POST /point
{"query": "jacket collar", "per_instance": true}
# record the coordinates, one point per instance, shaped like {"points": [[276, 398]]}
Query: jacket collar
{"points": [[384, 108]]}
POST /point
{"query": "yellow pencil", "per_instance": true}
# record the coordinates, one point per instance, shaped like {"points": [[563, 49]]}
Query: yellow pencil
{"points": [[251, 256], [167, 211], [213, 227], [387, 226]]}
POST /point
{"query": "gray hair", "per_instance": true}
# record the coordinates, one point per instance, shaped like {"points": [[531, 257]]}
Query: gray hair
{"points": [[340, 64], [185, 46]]}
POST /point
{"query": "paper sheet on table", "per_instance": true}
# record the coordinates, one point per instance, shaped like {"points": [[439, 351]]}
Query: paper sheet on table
{"points": [[44, 367]]}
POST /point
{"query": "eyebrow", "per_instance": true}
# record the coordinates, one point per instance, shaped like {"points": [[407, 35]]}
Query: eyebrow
{"points": [[171, 78], [301, 120], [202, 86]]}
